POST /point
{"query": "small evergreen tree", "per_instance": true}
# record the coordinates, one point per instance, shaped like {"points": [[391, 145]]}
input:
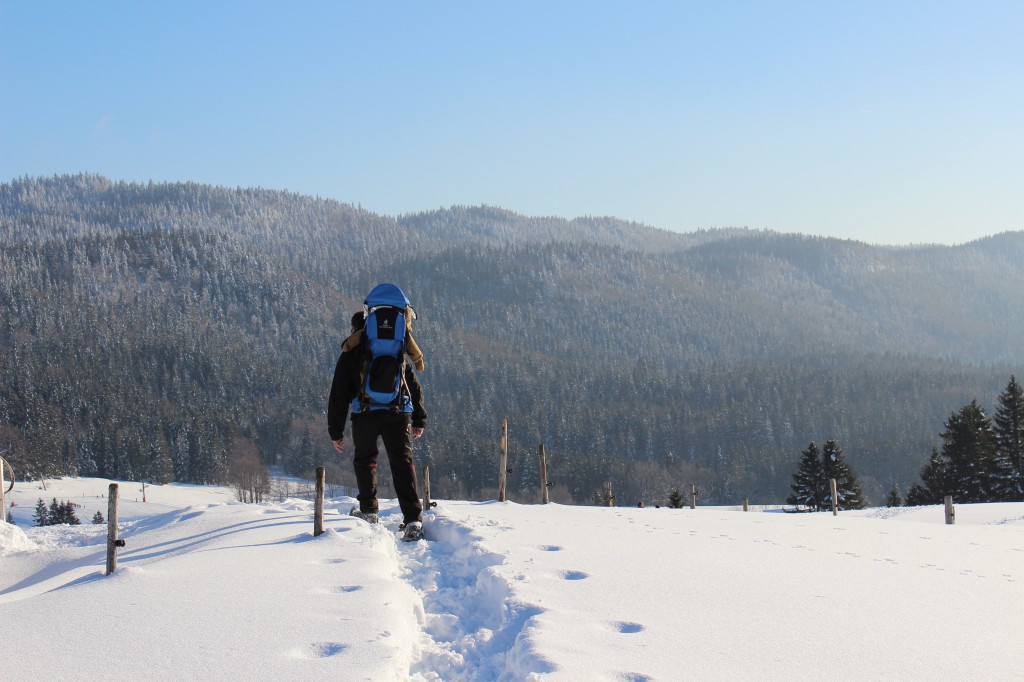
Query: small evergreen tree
{"points": [[935, 480], [1009, 431], [894, 499], [917, 496], [848, 491], [41, 516], [675, 499], [809, 482], [10, 518], [97, 518]]}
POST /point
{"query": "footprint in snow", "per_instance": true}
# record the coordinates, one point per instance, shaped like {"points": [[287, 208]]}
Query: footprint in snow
{"points": [[320, 650], [628, 628], [325, 649], [574, 575], [550, 548], [347, 588]]}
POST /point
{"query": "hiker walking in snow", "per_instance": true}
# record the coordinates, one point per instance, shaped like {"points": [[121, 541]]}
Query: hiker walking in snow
{"points": [[374, 379]]}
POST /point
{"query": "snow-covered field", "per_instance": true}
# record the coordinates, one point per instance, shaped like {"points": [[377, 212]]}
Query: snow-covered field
{"points": [[210, 589]]}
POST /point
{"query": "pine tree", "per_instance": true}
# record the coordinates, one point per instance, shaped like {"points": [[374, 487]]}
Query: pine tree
{"points": [[894, 499], [675, 499], [848, 492], [97, 518], [809, 482], [917, 496], [969, 446], [1009, 428], [68, 513], [934, 482], [41, 516]]}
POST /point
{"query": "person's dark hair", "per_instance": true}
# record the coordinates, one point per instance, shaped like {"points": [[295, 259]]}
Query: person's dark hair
{"points": [[358, 320]]}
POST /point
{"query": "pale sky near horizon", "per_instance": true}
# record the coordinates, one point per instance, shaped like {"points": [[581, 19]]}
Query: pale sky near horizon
{"points": [[886, 122]]}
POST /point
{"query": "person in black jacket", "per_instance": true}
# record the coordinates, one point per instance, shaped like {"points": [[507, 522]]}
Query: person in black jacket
{"points": [[397, 428]]}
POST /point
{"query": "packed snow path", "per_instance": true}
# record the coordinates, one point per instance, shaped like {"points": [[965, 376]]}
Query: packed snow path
{"points": [[471, 624]]}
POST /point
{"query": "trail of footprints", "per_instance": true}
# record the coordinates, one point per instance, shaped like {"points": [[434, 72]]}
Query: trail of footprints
{"points": [[621, 627]]}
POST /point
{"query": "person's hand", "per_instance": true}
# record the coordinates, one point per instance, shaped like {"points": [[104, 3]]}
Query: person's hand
{"points": [[417, 431], [339, 444]]}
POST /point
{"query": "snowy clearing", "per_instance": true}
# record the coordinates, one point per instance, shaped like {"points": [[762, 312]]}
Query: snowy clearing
{"points": [[208, 588]]}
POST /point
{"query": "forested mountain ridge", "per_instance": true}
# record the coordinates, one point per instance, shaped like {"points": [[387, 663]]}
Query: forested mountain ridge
{"points": [[161, 331]]}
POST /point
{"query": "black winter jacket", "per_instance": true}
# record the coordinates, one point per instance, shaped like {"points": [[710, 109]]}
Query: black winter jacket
{"points": [[347, 384]]}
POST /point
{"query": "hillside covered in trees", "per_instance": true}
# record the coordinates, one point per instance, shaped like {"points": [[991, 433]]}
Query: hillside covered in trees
{"points": [[164, 331]]}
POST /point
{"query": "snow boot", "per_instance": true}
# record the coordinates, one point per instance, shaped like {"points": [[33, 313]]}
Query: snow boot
{"points": [[413, 531], [369, 517]]}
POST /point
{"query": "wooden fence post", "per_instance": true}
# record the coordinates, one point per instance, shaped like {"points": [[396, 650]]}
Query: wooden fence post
{"points": [[503, 472], [950, 512], [427, 504], [693, 496], [746, 505], [318, 505], [3, 493], [112, 541], [543, 475], [608, 494], [835, 496]]}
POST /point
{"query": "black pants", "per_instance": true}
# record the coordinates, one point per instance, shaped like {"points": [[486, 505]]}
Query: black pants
{"points": [[394, 429]]}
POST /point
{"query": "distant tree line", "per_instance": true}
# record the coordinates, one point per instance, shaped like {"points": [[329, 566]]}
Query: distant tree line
{"points": [[181, 332]]}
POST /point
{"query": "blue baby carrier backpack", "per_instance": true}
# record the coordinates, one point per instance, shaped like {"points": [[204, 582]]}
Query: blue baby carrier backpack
{"points": [[385, 335]]}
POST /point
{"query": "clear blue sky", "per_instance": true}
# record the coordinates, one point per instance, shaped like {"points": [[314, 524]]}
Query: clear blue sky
{"points": [[887, 122]]}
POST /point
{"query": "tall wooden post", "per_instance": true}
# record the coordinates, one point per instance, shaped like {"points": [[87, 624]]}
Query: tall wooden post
{"points": [[3, 492], [543, 475], [503, 472], [427, 504], [746, 504], [950, 512], [835, 497], [693, 496], [112, 542], [318, 505]]}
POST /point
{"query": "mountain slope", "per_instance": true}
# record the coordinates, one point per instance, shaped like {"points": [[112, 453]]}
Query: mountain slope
{"points": [[164, 331]]}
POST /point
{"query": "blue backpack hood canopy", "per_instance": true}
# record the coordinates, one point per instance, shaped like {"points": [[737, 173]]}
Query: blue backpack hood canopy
{"points": [[386, 294]]}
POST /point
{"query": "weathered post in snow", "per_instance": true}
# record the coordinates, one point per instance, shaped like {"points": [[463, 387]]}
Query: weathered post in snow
{"points": [[746, 505], [427, 504], [503, 472], [3, 492], [318, 505], [608, 495], [112, 541], [950, 512], [543, 475], [693, 496], [835, 496], [426, 488]]}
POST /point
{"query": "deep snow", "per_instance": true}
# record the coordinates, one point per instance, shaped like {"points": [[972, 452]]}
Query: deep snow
{"points": [[208, 588]]}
